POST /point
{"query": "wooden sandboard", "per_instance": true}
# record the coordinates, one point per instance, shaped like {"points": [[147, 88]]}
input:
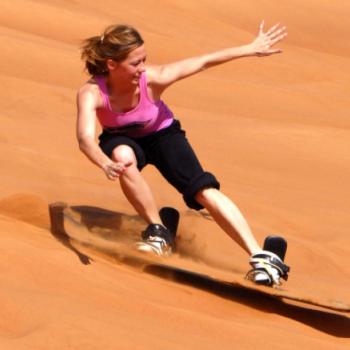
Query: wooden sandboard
{"points": [[112, 234]]}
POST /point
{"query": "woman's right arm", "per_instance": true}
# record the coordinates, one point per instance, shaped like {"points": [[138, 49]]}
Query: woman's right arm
{"points": [[87, 102]]}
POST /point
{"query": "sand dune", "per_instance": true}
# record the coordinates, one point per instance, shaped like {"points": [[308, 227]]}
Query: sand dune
{"points": [[284, 122]]}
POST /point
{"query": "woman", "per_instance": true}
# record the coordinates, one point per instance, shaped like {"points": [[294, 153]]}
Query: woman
{"points": [[124, 94]]}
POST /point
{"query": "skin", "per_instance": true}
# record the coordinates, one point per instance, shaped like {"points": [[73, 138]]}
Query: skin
{"points": [[123, 86]]}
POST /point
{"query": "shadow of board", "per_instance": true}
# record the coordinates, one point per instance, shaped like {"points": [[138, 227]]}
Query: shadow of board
{"points": [[110, 226], [105, 224]]}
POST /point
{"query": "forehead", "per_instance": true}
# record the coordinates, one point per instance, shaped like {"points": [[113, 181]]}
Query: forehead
{"points": [[138, 53]]}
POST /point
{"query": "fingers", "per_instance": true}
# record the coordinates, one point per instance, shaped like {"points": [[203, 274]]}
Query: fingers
{"points": [[278, 39], [263, 43], [274, 35], [116, 169], [280, 33], [272, 29], [261, 27], [274, 32]]}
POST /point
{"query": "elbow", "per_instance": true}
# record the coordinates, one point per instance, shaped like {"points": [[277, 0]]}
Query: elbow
{"points": [[83, 143]]}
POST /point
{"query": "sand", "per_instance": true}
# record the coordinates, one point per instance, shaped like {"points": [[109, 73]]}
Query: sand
{"points": [[274, 130]]}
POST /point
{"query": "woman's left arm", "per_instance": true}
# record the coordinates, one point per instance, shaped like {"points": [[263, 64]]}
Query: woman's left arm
{"points": [[165, 75]]}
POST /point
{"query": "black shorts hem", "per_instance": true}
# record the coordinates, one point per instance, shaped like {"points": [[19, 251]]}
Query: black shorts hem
{"points": [[205, 180], [108, 142]]}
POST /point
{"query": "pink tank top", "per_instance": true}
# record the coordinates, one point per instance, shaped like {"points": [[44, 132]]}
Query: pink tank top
{"points": [[146, 118]]}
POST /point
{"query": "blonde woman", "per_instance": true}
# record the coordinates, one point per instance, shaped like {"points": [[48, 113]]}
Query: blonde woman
{"points": [[125, 95]]}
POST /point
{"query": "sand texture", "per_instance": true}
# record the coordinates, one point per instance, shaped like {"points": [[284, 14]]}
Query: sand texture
{"points": [[275, 131]]}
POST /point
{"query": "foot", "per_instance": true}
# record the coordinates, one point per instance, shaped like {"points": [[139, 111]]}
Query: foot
{"points": [[156, 239], [268, 269]]}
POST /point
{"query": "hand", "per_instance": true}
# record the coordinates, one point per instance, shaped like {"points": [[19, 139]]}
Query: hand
{"points": [[262, 45], [114, 169]]}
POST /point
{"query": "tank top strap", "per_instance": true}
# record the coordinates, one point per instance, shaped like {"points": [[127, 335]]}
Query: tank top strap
{"points": [[103, 88], [143, 87]]}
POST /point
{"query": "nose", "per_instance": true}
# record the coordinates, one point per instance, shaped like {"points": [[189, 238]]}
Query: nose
{"points": [[142, 67]]}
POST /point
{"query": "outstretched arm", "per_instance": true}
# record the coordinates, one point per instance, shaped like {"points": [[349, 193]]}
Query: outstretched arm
{"points": [[262, 45]]}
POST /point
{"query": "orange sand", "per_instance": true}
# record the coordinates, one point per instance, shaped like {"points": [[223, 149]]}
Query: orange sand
{"points": [[280, 147]]}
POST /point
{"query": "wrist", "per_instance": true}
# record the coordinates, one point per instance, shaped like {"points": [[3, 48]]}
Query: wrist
{"points": [[104, 165], [249, 50]]}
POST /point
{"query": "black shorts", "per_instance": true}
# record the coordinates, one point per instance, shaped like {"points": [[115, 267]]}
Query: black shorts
{"points": [[170, 152]]}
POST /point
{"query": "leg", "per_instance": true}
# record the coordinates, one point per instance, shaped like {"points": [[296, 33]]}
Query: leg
{"points": [[135, 187], [176, 160], [228, 217]]}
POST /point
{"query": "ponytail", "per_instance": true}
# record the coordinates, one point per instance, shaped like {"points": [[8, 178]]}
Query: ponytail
{"points": [[115, 43]]}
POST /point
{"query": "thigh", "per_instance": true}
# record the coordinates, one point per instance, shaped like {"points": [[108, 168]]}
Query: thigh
{"points": [[108, 142], [174, 157], [170, 151]]}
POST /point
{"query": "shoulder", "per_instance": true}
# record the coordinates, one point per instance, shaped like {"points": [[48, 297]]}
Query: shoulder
{"points": [[89, 93], [154, 80], [152, 74]]}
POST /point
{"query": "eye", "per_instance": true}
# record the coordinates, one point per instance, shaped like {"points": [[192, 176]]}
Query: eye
{"points": [[136, 63]]}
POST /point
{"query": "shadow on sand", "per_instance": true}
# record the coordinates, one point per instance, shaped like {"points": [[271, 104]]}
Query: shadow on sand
{"points": [[325, 321], [112, 226], [58, 231]]}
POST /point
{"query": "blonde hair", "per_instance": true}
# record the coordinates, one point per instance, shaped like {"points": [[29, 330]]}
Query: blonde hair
{"points": [[115, 43]]}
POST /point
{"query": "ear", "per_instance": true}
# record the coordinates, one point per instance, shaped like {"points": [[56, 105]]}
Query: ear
{"points": [[111, 64]]}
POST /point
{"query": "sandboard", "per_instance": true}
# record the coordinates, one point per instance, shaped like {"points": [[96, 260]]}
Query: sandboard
{"points": [[90, 228]]}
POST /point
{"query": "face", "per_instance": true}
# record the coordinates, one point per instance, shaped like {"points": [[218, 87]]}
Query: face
{"points": [[131, 68]]}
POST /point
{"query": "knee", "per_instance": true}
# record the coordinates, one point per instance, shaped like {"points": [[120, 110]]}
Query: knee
{"points": [[124, 154]]}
